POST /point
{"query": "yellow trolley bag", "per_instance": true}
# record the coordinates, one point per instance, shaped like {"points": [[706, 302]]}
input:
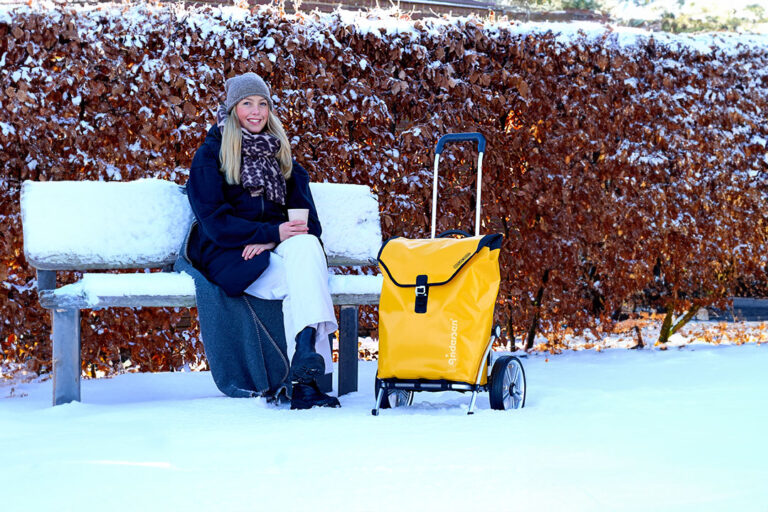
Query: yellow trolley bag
{"points": [[436, 302], [436, 313]]}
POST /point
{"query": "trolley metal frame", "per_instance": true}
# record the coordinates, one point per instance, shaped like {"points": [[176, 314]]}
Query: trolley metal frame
{"points": [[438, 385]]}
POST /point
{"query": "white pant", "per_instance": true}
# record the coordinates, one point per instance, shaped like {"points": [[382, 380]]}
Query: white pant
{"points": [[297, 274]]}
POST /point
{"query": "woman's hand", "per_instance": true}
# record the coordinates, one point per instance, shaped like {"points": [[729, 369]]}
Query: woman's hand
{"points": [[292, 228], [255, 249]]}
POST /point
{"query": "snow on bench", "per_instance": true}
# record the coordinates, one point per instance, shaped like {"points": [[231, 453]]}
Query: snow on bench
{"points": [[140, 224], [87, 225], [172, 289]]}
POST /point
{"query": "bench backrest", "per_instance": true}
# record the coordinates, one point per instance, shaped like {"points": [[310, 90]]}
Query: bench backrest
{"points": [[83, 225]]}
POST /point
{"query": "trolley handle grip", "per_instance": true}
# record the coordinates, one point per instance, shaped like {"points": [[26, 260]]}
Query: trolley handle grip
{"points": [[459, 137], [454, 232]]}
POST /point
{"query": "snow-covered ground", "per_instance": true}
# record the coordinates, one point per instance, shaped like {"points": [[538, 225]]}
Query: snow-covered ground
{"points": [[647, 430]]}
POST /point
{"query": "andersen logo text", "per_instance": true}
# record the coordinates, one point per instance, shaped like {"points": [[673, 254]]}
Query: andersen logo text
{"points": [[452, 356], [462, 260]]}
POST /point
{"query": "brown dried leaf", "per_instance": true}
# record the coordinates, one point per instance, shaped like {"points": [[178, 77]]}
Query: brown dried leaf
{"points": [[522, 88]]}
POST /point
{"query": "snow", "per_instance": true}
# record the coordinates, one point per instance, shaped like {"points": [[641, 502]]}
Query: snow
{"points": [[356, 284], [676, 430], [217, 25], [7, 129], [653, 9], [103, 222], [93, 287], [100, 223], [632, 82], [159, 284], [92, 224], [349, 215], [566, 33]]}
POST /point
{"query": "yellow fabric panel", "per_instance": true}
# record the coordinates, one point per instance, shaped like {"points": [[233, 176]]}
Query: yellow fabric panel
{"points": [[449, 340], [403, 257]]}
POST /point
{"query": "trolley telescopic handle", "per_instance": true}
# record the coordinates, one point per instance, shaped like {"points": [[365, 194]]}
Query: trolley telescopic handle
{"points": [[459, 137]]}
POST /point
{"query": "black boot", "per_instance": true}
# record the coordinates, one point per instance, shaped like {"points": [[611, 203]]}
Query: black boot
{"points": [[306, 396], [306, 364]]}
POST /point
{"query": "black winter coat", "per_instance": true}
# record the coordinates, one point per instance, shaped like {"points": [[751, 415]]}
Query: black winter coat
{"points": [[229, 218]]}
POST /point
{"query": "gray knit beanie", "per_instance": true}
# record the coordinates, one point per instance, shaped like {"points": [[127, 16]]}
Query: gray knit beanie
{"points": [[242, 86]]}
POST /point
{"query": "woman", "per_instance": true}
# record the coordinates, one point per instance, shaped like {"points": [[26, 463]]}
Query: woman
{"points": [[241, 184]]}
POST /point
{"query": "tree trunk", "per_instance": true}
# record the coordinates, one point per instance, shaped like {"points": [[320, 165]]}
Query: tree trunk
{"points": [[511, 334], [537, 304], [534, 326], [666, 325], [667, 329], [686, 318], [510, 326]]}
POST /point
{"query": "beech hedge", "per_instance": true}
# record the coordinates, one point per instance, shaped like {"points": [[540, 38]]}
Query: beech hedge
{"points": [[620, 168]]}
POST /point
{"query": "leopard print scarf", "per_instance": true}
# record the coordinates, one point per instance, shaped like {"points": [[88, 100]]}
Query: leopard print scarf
{"points": [[260, 170]]}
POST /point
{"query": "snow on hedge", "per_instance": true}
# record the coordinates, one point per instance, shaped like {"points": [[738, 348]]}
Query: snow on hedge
{"points": [[377, 22]]}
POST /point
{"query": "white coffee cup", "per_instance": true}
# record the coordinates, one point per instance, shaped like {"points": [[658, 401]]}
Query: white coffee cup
{"points": [[298, 214]]}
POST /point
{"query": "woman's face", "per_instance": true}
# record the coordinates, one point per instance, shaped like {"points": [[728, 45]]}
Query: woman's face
{"points": [[253, 112]]}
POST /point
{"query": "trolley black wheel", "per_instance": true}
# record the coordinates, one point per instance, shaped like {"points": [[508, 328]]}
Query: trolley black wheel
{"points": [[394, 397], [507, 386]]}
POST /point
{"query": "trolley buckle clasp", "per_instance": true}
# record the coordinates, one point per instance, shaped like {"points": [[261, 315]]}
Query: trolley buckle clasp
{"points": [[422, 290]]}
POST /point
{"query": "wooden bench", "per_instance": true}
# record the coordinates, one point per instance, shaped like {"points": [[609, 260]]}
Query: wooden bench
{"points": [[87, 226]]}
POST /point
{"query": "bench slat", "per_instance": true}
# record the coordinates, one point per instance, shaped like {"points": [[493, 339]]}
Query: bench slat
{"points": [[171, 289], [71, 262], [49, 300], [355, 299]]}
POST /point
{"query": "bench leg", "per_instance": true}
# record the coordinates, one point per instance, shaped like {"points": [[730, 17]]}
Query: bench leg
{"points": [[66, 355], [348, 353]]}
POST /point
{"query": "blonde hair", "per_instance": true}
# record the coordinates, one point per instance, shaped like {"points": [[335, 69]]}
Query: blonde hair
{"points": [[230, 153]]}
